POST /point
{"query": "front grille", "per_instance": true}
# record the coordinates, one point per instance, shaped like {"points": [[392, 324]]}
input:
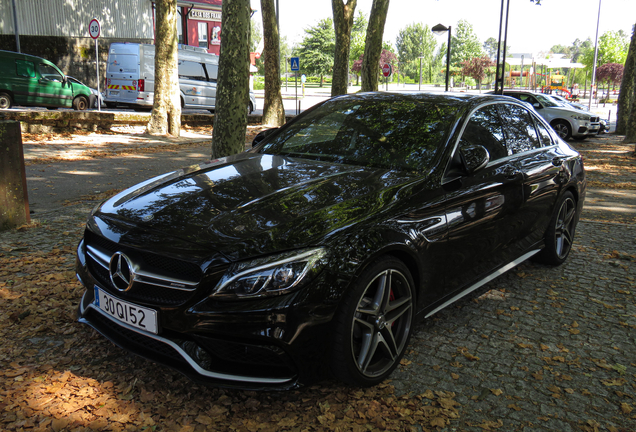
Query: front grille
{"points": [[154, 262], [146, 293]]}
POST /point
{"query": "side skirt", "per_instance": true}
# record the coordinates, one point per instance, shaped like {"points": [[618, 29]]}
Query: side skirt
{"points": [[482, 282]]}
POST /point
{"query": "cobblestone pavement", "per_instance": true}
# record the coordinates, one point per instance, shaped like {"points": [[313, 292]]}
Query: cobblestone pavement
{"points": [[541, 349], [545, 349]]}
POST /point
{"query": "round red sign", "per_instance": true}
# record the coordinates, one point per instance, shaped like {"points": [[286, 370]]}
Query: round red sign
{"points": [[386, 69]]}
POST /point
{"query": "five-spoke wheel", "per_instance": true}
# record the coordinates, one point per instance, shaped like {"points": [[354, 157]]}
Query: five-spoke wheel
{"points": [[375, 324], [560, 234]]}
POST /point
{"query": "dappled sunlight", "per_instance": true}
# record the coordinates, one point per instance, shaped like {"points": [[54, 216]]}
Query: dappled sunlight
{"points": [[76, 172]]}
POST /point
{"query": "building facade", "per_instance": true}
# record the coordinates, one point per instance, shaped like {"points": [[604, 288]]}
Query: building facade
{"points": [[58, 30]]}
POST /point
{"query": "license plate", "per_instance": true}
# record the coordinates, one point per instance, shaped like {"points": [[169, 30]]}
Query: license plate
{"points": [[137, 316], [114, 93]]}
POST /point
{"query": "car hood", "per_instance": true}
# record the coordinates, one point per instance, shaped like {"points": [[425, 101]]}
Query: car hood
{"points": [[252, 204]]}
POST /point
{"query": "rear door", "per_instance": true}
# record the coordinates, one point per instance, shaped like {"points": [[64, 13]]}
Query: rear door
{"points": [[24, 83], [541, 163], [122, 73]]}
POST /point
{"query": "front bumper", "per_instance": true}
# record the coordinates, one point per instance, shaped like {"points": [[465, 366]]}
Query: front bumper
{"points": [[276, 344]]}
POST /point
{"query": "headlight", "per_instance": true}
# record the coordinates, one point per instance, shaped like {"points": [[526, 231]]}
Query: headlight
{"points": [[274, 275], [580, 117]]}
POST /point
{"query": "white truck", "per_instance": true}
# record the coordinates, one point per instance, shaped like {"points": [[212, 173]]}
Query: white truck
{"points": [[130, 77]]}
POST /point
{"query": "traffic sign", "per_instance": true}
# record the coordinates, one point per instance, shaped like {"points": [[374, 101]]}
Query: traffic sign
{"points": [[295, 64], [386, 69], [94, 28]]}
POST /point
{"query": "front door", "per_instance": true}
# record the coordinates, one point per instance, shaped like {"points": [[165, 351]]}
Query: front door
{"points": [[53, 90]]}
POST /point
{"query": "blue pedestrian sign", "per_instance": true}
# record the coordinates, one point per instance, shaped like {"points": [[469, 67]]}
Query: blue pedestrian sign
{"points": [[295, 63]]}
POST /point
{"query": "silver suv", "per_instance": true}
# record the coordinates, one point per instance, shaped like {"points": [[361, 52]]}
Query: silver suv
{"points": [[568, 122]]}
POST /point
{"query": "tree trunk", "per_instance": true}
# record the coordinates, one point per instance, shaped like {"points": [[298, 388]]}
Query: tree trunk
{"points": [[166, 110], [373, 45], [232, 93], [343, 23], [273, 110], [628, 84]]}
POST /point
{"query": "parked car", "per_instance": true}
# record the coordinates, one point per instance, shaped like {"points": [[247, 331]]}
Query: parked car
{"points": [[568, 122], [566, 102], [97, 94], [315, 252], [130, 77], [33, 81]]}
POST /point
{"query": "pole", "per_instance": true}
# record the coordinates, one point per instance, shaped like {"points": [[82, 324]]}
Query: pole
{"points": [[503, 60], [15, 25], [421, 74], [499, 50], [448, 57], [598, 20], [99, 108]]}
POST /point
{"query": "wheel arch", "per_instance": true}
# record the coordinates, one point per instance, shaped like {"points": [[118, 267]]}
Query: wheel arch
{"points": [[402, 253]]}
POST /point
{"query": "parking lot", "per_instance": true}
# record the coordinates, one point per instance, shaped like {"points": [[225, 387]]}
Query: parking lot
{"points": [[538, 349]]}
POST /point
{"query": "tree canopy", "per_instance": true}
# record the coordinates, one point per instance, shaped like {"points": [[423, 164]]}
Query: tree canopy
{"points": [[317, 48], [412, 42], [465, 44], [612, 48]]}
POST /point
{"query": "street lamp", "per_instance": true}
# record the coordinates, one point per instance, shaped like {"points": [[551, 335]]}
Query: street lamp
{"points": [[420, 57], [439, 29]]}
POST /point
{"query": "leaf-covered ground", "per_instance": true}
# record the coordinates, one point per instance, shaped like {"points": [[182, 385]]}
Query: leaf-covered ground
{"points": [[59, 375]]}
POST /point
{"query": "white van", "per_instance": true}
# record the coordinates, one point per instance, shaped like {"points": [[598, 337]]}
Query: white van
{"points": [[130, 77]]}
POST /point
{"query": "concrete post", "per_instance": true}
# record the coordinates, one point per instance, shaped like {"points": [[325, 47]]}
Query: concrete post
{"points": [[14, 200]]}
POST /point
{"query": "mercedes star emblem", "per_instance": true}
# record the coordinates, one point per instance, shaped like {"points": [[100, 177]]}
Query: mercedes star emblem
{"points": [[121, 271]]}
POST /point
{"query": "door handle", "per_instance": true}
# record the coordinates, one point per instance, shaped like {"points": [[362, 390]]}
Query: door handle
{"points": [[557, 161], [511, 173]]}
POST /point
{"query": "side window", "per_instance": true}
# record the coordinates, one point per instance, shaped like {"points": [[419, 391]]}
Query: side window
{"points": [[25, 69], [49, 72], [213, 71], [521, 135], [191, 70], [484, 128], [544, 135]]}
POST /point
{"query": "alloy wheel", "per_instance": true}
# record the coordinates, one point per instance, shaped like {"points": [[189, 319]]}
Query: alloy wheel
{"points": [[564, 229], [381, 323]]}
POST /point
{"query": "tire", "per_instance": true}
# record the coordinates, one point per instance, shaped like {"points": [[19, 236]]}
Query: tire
{"points": [[374, 324], [80, 103], [563, 129], [559, 236], [580, 138], [5, 100]]}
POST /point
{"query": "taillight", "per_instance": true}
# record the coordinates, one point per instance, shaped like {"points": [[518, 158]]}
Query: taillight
{"points": [[141, 85]]}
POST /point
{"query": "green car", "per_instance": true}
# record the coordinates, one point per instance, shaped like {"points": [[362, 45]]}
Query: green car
{"points": [[33, 81]]}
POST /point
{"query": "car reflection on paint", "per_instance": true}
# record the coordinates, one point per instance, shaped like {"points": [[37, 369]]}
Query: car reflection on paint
{"points": [[316, 252]]}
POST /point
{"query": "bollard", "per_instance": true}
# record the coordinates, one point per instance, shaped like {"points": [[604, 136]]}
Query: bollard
{"points": [[14, 200]]}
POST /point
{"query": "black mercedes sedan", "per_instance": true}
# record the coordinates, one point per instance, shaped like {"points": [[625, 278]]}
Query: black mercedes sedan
{"points": [[315, 253]]}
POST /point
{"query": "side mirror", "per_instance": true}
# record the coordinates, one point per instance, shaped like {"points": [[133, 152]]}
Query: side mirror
{"points": [[262, 135], [473, 157], [537, 105]]}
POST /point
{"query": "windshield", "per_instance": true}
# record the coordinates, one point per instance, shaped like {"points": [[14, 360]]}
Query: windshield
{"points": [[547, 101], [387, 132]]}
